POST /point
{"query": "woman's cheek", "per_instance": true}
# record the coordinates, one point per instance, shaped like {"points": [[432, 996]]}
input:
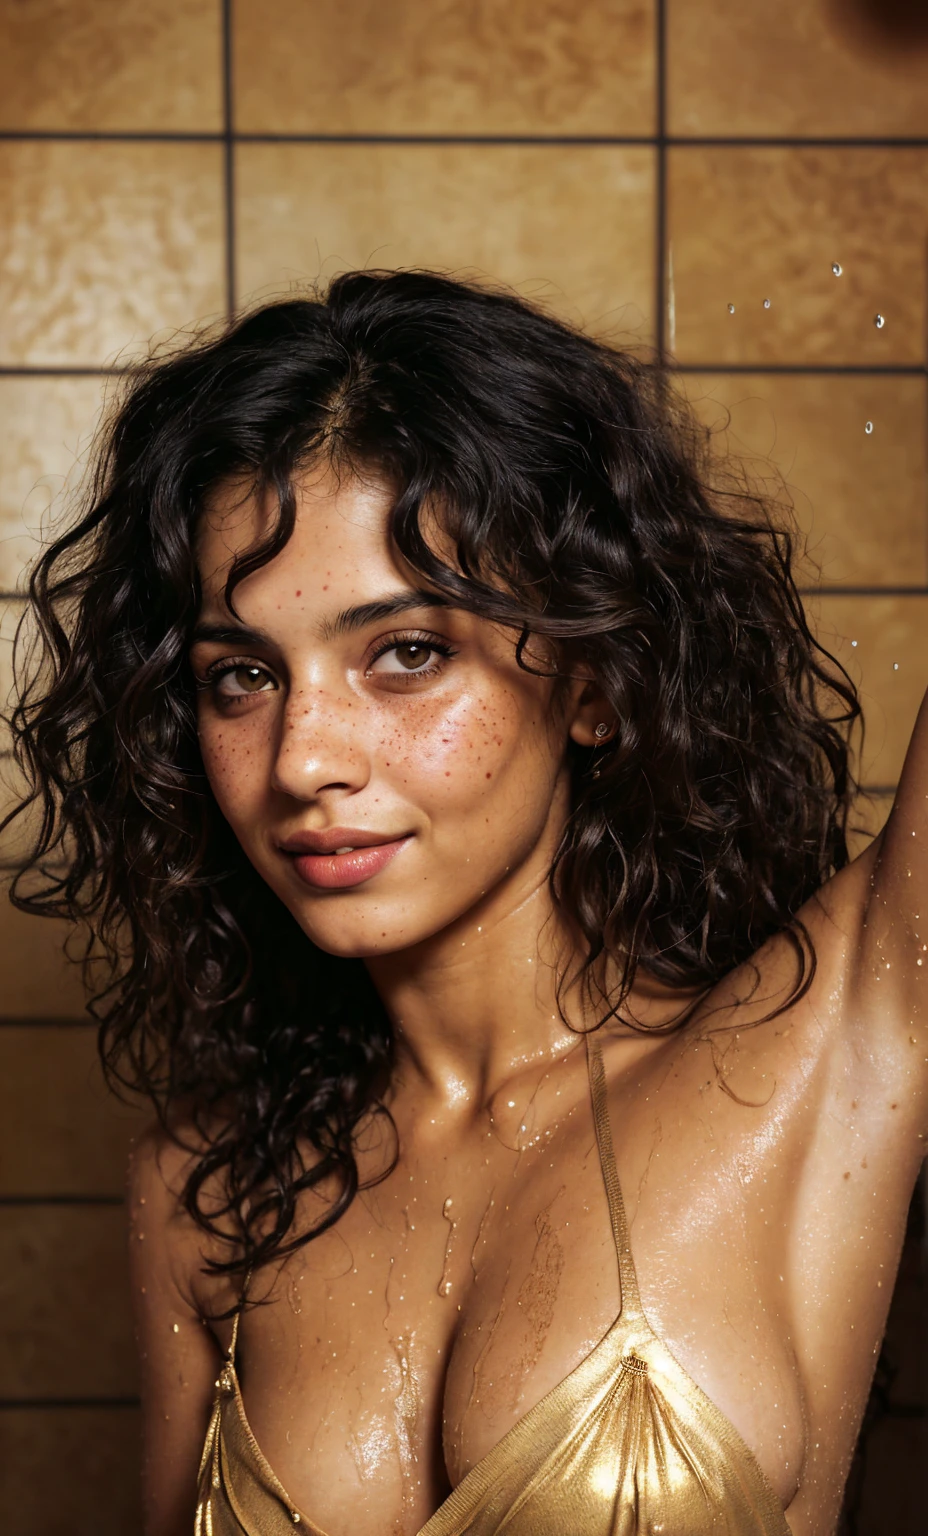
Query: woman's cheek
{"points": [[231, 760], [455, 751]]}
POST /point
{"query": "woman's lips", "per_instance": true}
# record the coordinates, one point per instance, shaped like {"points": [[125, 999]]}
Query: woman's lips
{"points": [[340, 871]]}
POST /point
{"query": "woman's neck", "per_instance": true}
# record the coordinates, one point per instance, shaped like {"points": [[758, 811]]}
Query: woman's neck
{"points": [[478, 1003]]}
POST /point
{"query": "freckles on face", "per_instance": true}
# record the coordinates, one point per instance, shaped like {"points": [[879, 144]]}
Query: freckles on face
{"points": [[324, 709]]}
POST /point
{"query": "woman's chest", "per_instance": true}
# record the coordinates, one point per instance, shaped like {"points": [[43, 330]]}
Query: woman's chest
{"points": [[394, 1357]]}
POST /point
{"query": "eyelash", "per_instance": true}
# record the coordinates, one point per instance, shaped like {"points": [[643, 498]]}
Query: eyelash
{"points": [[217, 670], [413, 637], [220, 669]]}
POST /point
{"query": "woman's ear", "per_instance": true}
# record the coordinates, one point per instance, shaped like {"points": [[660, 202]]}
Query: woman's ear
{"points": [[592, 721]]}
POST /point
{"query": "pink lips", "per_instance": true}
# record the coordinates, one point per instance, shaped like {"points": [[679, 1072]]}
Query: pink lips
{"points": [[316, 862]]}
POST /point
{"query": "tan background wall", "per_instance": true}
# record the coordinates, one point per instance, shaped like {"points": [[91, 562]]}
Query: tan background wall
{"points": [[640, 166]]}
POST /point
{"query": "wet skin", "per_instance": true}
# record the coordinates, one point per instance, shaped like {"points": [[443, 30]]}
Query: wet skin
{"points": [[766, 1167]]}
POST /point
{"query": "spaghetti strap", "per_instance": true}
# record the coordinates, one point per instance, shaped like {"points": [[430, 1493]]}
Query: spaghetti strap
{"points": [[630, 1300], [233, 1342]]}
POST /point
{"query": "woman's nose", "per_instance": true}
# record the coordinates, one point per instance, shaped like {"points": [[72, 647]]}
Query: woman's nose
{"points": [[319, 748]]}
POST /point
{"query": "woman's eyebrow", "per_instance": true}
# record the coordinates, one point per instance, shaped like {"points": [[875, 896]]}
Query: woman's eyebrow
{"points": [[229, 634], [387, 607], [358, 617]]}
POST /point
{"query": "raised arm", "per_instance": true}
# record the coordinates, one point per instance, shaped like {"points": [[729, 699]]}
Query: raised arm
{"points": [[887, 995], [179, 1355]]}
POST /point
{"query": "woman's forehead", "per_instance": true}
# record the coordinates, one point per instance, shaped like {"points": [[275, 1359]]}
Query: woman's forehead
{"points": [[340, 528]]}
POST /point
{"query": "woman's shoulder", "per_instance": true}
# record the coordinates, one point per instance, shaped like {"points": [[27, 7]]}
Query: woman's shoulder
{"points": [[169, 1247]]}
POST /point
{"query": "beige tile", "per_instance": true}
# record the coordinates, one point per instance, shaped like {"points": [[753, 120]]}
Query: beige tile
{"points": [[748, 224], [104, 245], [65, 1324], [61, 1131], [46, 426], [571, 227], [36, 981], [417, 66], [797, 67], [71, 1471], [111, 65], [859, 498], [887, 630]]}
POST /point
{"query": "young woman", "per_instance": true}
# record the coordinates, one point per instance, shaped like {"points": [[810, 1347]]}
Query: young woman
{"points": [[457, 799]]}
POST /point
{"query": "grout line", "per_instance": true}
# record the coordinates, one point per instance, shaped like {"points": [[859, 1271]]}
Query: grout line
{"points": [[106, 136], [794, 141], [841, 591], [14, 1022], [660, 187], [29, 1200], [228, 143], [925, 486], [53, 370], [705, 141], [16, 1403], [890, 370]]}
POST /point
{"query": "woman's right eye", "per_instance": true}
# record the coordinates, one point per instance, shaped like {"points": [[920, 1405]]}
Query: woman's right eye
{"points": [[241, 681]]}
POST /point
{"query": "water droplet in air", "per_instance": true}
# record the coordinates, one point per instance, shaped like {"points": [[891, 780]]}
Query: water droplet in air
{"points": [[868, 428], [766, 303], [879, 321], [837, 268], [731, 309]]}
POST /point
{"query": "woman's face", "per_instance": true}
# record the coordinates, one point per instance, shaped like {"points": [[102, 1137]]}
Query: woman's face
{"points": [[383, 760]]}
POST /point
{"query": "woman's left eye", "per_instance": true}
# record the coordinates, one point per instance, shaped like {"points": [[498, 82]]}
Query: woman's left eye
{"points": [[409, 658]]}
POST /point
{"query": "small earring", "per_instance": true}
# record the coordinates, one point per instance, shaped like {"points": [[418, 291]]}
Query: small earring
{"points": [[602, 730]]}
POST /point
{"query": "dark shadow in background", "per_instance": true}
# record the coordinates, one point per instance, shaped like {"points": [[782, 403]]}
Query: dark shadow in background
{"points": [[886, 1491], [890, 27]]}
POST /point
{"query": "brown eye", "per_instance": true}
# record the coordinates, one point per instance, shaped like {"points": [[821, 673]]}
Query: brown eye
{"points": [[250, 679], [412, 655], [238, 682]]}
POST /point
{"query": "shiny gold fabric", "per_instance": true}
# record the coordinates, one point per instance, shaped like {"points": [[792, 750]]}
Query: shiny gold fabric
{"points": [[625, 1445]]}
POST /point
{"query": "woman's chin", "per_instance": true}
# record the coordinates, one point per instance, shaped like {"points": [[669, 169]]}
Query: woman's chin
{"points": [[367, 938]]}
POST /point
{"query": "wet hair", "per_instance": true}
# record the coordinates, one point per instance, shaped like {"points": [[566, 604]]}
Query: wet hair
{"points": [[581, 506]]}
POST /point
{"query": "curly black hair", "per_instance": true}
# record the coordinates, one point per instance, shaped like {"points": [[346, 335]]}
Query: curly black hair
{"points": [[579, 500]]}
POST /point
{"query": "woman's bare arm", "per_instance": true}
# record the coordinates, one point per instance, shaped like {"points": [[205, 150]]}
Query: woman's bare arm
{"points": [[887, 995], [180, 1357]]}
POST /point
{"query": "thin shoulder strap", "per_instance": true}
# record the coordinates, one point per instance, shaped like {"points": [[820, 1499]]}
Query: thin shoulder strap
{"points": [[233, 1342], [631, 1301]]}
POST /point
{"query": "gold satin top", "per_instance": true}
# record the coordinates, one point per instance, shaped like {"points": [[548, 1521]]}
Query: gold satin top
{"points": [[626, 1445]]}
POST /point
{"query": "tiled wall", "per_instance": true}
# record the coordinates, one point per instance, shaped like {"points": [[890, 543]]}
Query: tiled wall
{"points": [[642, 167]]}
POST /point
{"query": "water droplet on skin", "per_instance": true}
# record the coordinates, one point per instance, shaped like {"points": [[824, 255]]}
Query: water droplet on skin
{"points": [[444, 1284], [879, 321], [731, 309], [868, 428], [766, 303], [175, 1328], [854, 642], [895, 666], [837, 268]]}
